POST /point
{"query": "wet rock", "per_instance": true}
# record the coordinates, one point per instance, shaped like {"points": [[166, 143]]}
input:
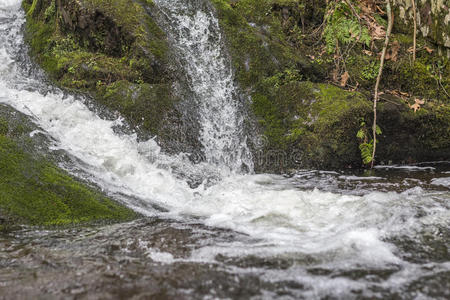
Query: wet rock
{"points": [[433, 20]]}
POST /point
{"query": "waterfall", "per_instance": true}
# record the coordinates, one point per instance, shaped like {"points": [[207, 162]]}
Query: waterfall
{"points": [[314, 221], [195, 34]]}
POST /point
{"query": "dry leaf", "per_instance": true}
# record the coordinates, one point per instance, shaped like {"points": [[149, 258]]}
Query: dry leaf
{"points": [[377, 32], [344, 79], [367, 6], [367, 52], [392, 54], [429, 50], [416, 106]]}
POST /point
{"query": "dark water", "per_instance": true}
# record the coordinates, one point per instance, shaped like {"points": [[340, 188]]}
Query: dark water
{"points": [[165, 258]]}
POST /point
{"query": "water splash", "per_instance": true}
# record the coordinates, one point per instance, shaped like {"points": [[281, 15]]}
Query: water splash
{"points": [[194, 31]]}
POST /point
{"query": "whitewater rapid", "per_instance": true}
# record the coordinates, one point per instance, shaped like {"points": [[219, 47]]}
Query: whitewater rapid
{"points": [[338, 229]]}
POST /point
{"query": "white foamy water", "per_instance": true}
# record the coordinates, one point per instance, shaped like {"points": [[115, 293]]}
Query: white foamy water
{"points": [[195, 33], [337, 230]]}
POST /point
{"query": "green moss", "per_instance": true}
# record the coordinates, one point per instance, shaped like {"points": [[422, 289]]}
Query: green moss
{"points": [[91, 45], [410, 136], [257, 39], [318, 120], [35, 192], [144, 104], [4, 127]]}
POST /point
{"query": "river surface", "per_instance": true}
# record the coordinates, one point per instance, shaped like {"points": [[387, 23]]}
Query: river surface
{"points": [[315, 234]]}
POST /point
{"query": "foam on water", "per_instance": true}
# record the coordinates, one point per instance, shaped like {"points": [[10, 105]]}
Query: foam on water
{"points": [[339, 230], [195, 33]]}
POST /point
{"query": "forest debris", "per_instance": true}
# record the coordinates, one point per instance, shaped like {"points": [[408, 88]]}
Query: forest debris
{"points": [[344, 79], [402, 95], [367, 52], [392, 54], [355, 88], [429, 50], [417, 105], [376, 31], [335, 75], [368, 7]]}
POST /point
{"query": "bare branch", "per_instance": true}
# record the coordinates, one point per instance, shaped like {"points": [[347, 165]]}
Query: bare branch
{"points": [[380, 72]]}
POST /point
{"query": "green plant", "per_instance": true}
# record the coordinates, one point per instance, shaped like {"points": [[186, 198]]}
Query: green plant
{"points": [[342, 27], [366, 142], [370, 71], [50, 11], [282, 78]]}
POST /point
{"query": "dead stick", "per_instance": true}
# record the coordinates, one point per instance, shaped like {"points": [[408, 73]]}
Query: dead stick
{"points": [[380, 72], [415, 30]]}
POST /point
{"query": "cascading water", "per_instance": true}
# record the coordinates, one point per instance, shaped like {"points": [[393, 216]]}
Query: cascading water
{"points": [[195, 33], [296, 239]]}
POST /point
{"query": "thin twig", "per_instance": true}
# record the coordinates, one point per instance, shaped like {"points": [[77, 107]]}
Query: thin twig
{"points": [[415, 30], [380, 72]]}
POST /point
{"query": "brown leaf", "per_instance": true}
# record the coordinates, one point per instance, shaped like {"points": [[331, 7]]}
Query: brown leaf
{"points": [[377, 32], [416, 106], [392, 54], [344, 79], [368, 7], [421, 102], [429, 50], [367, 52]]}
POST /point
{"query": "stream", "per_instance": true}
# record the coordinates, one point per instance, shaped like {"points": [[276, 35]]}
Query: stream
{"points": [[235, 235]]}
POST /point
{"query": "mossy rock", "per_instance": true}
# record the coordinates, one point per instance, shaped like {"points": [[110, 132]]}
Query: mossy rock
{"points": [[100, 46], [412, 136], [432, 20], [34, 191], [273, 54], [261, 38], [312, 125]]}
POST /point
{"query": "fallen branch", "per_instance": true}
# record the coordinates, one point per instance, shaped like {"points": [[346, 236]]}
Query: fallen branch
{"points": [[380, 72]]}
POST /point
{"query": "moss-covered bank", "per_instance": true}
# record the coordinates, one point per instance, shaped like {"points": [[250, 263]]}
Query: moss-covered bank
{"points": [[301, 62], [112, 50], [34, 191]]}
